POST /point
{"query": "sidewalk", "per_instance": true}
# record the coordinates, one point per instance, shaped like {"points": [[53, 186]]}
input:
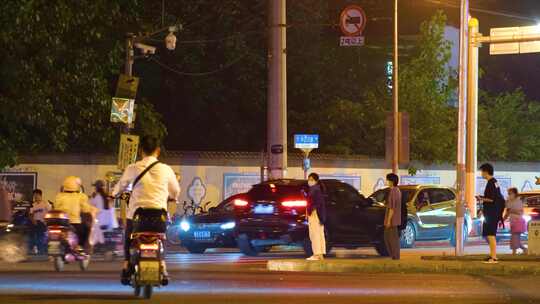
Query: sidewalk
{"points": [[416, 261]]}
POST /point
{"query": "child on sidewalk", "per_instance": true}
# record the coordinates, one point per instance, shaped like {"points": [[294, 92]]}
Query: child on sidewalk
{"points": [[518, 225]]}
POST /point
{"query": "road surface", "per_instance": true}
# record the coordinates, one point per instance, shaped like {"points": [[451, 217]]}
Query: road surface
{"points": [[228, 277]]}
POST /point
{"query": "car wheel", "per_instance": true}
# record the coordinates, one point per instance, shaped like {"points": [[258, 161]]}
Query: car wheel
{"points": [[195, 248], [453, 236], [381, 249], [408, 236], [244, 244]]}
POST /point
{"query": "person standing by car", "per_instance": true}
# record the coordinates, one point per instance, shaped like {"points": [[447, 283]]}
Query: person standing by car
{"points": [[493, 207], [518, 225], [392, 219], [316, 212]]}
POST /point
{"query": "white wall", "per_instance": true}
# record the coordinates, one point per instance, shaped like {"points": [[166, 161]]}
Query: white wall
{"points": [[206, 183]]}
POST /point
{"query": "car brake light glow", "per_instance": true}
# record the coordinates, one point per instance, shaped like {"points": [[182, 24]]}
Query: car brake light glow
{"points": [[55, 231], [292, 204], [240, 203], [273, 188], [153, 246]]}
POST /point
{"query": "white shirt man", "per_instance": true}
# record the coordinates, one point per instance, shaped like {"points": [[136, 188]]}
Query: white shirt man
{"points": [[153, 189]]}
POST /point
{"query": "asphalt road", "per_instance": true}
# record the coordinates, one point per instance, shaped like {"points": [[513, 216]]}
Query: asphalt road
{"points": [[228, 277]]}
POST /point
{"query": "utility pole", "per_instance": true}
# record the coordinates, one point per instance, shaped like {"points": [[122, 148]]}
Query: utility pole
{"points": [[277, 90], [472, 115], [462, 112], [395, 93]]}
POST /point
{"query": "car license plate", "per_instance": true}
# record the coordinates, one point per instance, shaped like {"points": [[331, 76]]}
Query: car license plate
{"points": [[54, 247], [263, 209], [149, 271], [201, 235]]}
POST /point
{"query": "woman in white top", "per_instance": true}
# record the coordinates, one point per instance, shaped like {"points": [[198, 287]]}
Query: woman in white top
{"points": [[106, 216], [518, 225]]}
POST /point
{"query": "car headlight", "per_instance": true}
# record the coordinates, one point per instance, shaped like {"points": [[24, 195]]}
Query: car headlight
{"points": [[229, 225], [184, 226]]}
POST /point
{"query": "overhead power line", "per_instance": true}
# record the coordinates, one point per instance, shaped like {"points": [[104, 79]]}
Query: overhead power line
{"points": [[198, 74]]}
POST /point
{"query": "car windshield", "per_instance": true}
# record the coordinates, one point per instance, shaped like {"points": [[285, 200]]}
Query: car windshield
{"points": [[380, 195]]}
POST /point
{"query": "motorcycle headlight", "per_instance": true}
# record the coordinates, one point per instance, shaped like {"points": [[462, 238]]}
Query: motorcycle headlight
{"points": [[185, 226], [229, 225]]}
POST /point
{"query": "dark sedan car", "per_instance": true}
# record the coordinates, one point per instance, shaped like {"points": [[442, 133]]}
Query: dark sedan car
{"points": [[274, 213], [212, 229], [431, 213]]}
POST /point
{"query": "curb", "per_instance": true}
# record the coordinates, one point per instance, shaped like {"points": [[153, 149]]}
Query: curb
{"points": [[405, 266]]}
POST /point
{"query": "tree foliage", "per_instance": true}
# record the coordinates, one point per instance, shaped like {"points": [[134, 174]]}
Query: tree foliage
{"points": [[58, 59], [427, 85]]}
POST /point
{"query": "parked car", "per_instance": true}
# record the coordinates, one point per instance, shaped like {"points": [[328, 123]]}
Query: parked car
{"points": [[274, 213], [212, 229], [431, 213]]}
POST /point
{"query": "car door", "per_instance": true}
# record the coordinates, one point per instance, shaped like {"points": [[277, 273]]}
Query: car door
{"points": [[442, 215], [424, 216], [339, 209]]}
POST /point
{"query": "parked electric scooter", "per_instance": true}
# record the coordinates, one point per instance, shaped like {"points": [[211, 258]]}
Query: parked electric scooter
{"points": [[63, 242], [147, 251]]}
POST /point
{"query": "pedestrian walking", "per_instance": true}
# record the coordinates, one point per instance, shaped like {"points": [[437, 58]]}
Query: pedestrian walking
{"points": [[316, 212], [518, 225], [492, 209], [392, 219], [106, 215]]}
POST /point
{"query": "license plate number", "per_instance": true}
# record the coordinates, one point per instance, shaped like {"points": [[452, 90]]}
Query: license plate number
{"points": [[149, 271], [263, 209], [201, 234]]}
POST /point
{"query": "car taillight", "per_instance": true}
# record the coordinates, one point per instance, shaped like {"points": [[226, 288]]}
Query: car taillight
{"points": [[240, 203], [153, 246], [294, 204], [55, 231]]}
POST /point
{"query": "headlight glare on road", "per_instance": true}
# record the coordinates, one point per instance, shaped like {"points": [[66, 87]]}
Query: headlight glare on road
{"points": [[229, 225], [184, 226]]}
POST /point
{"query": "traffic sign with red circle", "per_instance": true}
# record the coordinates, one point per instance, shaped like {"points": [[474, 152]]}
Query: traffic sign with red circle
{"points": [[352, 20]]}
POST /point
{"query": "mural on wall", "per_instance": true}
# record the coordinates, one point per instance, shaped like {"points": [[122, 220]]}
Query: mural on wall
{"points": [[379, 184], [504, 182], [419, 180], [234, 183], [18, 185], [196, 191], [527, 186], [353, 180]]}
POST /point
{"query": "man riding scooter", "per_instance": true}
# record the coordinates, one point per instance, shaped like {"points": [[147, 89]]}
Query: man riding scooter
{"points": [[73, 202], [152, 184]]}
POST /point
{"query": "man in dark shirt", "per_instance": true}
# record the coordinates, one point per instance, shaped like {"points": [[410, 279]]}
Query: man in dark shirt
{"points": [[392, 219], [493, 206]]}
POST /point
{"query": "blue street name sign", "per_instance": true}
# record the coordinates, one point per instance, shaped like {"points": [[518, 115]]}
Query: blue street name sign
{"points": [[306, 141]]}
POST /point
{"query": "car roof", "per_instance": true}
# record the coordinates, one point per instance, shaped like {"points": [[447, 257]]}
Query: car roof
{"points": [[294, 182]]}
